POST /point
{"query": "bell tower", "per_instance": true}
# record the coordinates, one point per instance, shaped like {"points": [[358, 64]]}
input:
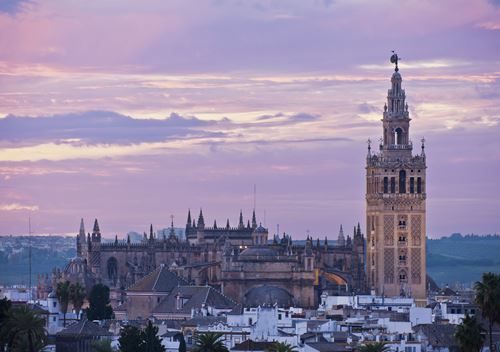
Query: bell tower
{"points": [[395, 204]]}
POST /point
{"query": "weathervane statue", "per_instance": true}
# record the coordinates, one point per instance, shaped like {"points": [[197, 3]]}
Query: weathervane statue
{"points": [[394, 60]]}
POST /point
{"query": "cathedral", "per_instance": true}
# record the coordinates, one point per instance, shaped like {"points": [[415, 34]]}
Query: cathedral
{"points": [[236, 260], [395, 204], [244, 263]]}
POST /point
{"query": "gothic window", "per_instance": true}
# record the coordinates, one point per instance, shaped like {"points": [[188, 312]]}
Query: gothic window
{"points": [[412, 185], [402, 181], [419, 185], [399, 136], [393, 185], [386, 185], [112, 266]]}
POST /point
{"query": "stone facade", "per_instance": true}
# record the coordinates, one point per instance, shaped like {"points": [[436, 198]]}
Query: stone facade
{"points": [[395, 205]]}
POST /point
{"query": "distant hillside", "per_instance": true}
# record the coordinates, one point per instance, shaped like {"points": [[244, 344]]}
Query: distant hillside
{"points": [[462, 259], [450, 260]]}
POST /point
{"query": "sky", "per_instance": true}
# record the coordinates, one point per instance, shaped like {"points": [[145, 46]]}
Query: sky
{"points": [[133, 111]]}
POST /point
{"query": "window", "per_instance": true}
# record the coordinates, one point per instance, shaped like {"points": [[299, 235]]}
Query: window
{"points": [[54, 304], [399, 136], [402, 257], [402, 224], [419, 185], [402, 239], [402, 181], [412, 185], [402, 276], [250, 321], [386, 185], [279, 316], [393, 185]]}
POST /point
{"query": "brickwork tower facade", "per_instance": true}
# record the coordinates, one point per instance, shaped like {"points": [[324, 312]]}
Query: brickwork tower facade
{"points": [[395, 204]]}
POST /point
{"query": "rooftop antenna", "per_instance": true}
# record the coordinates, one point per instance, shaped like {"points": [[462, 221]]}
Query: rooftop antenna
{"points": [[29, 256]]}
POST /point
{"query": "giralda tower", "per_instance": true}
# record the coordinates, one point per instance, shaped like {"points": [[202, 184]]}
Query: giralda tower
{"points": [[395, 204]]}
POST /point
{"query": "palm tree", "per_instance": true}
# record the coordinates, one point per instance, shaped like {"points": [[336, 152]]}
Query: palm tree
{"points": [[488, 299], [209, 342], [470, 335], [24, 330], [373, 347], [77, 296], [62, 292], [282, 347]]}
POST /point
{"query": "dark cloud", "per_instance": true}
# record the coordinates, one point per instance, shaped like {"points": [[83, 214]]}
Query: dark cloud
{"points": [[100, 127], [12, 6], [366, 108], [303, 117]]}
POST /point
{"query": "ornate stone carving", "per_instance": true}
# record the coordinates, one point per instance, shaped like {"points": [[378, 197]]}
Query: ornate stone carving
{"points": [[415, 266], [389, 230], [416, 230], [389, 265]]}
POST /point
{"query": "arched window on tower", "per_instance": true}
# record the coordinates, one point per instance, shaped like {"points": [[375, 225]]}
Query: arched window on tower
{"points": [[419, 185], [393, 184], [402, 181], [412, 185], [399, 136], [386, 185]]}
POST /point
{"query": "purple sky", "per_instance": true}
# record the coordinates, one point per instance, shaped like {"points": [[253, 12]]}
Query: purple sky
{"points": [[132, 111]]}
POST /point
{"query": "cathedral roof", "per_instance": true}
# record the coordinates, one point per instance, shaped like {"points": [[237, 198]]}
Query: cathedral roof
{"points": [[259, 251], [260, 229], [159, 280], [193, 297], [268, 296]]}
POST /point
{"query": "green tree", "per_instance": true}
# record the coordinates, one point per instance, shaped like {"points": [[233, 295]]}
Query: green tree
{"points": [[62, 293], [130, 339], [150, 342], [102, 346], [99, 307], [373, 347], [182, 342], [282, 347], [5, 306], [77, 296], [488, 299], [24, 330], [209, 342], [470, 335]]}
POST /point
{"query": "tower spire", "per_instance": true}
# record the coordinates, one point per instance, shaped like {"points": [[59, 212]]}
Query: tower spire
{"points": [[201, 221], [341, 238], [254, 220], [241, 224], [188, 222], [82, 229], [151, 232]]}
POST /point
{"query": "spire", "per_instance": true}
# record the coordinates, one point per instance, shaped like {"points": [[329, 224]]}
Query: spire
{"points": [[227, 224], [96, 228], [172, 229], [240, 224], [358, 231], [82, 229], [341, 238], [188, 222], [215, 224], [151, 232], [128, 238], [116, 239], [254, 220], [201, 221], [248, 224]]}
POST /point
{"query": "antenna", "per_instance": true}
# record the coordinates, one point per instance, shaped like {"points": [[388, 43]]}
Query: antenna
{"points": [[254, 196], [29, 254]]}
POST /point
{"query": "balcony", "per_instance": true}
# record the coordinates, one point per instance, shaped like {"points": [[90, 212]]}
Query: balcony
{"points": [[408, 146]]}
